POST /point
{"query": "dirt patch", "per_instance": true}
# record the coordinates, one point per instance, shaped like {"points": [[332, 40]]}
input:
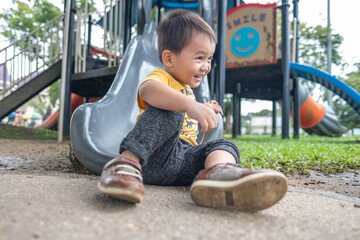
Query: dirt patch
{"points": [[35, 155], [346, 183]]}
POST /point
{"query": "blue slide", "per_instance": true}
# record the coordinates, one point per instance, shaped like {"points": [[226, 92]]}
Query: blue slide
{"points": [[314, 117], [98, 128]]}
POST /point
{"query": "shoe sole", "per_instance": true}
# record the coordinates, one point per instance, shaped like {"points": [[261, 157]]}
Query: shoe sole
{"points": [[249, 194], [122, 194]]}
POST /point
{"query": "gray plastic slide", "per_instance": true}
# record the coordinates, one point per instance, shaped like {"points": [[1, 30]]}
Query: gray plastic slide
{"points": [[97, 129], [329, 124]]}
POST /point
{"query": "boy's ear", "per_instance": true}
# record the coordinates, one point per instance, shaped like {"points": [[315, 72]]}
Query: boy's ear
{"points": [[167, 58]]}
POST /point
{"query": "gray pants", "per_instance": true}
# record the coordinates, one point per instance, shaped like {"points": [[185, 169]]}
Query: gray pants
{"points": [[165, 158]]}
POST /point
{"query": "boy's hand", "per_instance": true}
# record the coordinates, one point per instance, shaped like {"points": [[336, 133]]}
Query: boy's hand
{"points": [[205, 114], [215, 106], [164, 97]]}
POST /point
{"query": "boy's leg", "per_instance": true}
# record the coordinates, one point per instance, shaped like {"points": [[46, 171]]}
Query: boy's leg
{"points": [[224, 185], [121, 178], [155, 129], [196, 157]]}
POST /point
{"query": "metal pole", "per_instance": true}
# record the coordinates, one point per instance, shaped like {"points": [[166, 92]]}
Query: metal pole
{"points": [[240, 118], [220, 63], [127, 23], [212, 84], [296, 80], [158, 3], [84, 46], [111, 21], [329, 95], [65, 93], [89, 36], [285, 67], [116, 32], [274, 118], [236, 109], [238, 86]]}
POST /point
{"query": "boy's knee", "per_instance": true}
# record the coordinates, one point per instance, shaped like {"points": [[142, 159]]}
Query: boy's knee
{"points": [[226, 145], [165, 117]]}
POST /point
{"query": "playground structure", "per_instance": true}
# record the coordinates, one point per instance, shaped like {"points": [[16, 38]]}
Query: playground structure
{"points": [[260, 75], [97, 128], [94, 144]]}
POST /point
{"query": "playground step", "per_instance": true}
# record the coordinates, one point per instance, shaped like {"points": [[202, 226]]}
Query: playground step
{"points": [[29, 89], [93, 83]]}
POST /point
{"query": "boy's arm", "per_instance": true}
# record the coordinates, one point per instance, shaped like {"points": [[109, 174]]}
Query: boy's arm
{"points": [[164, 97]]}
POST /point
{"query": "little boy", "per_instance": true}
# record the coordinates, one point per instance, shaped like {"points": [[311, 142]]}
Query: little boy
{"points": [[161, 149]]}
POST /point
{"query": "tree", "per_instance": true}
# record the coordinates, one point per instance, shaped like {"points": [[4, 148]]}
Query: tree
{"points": [[24, 18], [354, 78], [90, 5], [263, 113], [313, 46], [348, 117]]}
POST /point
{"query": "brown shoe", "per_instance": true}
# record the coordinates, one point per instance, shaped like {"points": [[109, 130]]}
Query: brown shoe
{"points": [[121, 178], [227, 186]]}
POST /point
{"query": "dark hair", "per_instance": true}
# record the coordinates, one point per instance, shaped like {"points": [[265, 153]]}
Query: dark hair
{"points": [[176, 28]]}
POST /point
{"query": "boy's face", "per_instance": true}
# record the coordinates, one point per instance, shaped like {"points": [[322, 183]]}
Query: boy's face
{"points": [[193, 63]]}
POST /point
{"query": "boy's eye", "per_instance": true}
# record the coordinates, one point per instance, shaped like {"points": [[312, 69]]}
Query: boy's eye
{"points": [[201, 58]]}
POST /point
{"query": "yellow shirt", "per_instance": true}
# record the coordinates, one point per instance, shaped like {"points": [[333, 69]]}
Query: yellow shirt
{"points": [[190, 126]]}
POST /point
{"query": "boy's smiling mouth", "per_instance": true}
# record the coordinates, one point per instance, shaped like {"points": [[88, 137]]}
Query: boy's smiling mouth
{"points": [[198, 77]]}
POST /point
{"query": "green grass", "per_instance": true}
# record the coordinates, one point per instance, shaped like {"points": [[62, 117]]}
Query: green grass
{"points": [[12, 132], [324, 154]]}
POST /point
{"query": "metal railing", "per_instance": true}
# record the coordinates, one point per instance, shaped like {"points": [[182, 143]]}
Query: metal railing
{"points": [[31, 55], [81, 39], [112, 47], [112, 35], [37, 51]]}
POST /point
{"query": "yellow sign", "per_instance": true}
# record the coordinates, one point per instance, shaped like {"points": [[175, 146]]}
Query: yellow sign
{"points": [[251, 35]]}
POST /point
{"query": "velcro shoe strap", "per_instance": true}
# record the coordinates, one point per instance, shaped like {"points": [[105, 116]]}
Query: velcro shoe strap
{"points": [[125, 169], [123, 160]]}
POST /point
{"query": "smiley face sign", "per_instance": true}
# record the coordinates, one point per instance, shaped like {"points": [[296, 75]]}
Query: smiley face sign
{"points": [[245, 41], [251, 35]]}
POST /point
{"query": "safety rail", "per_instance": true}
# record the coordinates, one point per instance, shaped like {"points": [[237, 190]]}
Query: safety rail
{"points": [[113, 43], [112, 25], [112, 47], [41, 48], [31, 55]]}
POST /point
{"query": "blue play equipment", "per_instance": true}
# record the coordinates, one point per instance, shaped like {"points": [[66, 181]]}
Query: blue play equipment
{"points": [[177, 4], [316, 118], [330, 82]]}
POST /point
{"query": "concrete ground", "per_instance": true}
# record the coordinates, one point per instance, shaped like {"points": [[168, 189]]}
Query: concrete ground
{"points": [[42, 198], [60, 205]]}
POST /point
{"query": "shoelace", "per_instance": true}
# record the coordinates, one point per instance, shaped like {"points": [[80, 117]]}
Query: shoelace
{"points": [[124, 169]]}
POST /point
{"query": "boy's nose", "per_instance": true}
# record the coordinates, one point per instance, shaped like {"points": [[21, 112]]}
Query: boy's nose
{"points": [[205, 67]]}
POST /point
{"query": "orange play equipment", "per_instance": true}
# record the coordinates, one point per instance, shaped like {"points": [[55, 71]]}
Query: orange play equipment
{"points": [[76, 101], [311, 113]]}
